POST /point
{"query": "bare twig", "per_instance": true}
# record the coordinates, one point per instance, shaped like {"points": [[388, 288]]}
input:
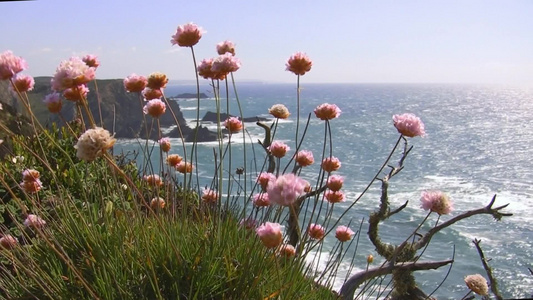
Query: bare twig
{"points": [[495, 212], [348, 289], [492, 280]]}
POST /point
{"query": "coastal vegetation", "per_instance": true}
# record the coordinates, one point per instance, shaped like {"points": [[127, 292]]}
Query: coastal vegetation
{"points": [[80, 221]]}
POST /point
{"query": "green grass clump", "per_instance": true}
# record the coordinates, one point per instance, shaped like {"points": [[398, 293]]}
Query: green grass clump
{"points": [[129, 255]]}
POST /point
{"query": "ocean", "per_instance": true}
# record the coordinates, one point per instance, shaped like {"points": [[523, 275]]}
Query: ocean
{"points": [[479, 143]]}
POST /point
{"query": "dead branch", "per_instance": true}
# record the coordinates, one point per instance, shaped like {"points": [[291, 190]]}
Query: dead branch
{"points": [[492, 280], [495, 212], [348, 289]]}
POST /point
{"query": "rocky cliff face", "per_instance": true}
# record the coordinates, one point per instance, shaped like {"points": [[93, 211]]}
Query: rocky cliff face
{"points": [[121, 112]]}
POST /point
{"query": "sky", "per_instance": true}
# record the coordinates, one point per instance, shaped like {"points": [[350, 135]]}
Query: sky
{"points": [[349, 41]]}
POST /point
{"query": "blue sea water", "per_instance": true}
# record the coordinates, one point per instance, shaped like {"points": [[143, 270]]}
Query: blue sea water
{"points": [[479, 144]]}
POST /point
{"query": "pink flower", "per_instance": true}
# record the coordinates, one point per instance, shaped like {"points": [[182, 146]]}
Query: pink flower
{"points": [[436, 201], [76, 93], [261, 200], [334, 197], [278, 149], [187, 35], [173, 160], [164, 144], [477, 284], [135, 83], [327, 111], [93, 143], [11, 65], [155, 108], [299, 63], [91, 61], [344, 233], [225, 64], [270, 234], [8, 242], [153, 180], [71, 73], [279, 111], [316, 231], [409, 125], [31, 186], [286, 189], [151, 94], [204, 69], [304, 158], [335, 182], [264, 178], [331, 164], [33, 221], [157, 81], [287, 250], [157, 203], [53, 102], [226, 47], [184, 167], [209, 196], [233, 124], [30, 175], [23, 83]]}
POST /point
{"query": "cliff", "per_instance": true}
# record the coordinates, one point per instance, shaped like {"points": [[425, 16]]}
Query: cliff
{"points": [[121, 111]]}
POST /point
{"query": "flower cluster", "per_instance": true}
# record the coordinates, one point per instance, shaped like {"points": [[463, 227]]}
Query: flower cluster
{"points": [[233, 124], [344, 233], [53, 102], [286, 189], [157, 81], [264, 178], [184, 167], [30, 181], [477, 284], [187, 35], [279, 111], [76, 93], [327, 111], [299, 63], [93, 143], [436, 201], [269, 234], [316, 231], [10, 65], [164, 144], [225, 64], [157, 203], [226, 47], [135, 83], [34, 221], [153, 180], [261, 200], [209, 196], [304, 158], [278, 149], [8, 242], [173, 160], [22, 83], [155, 108], [330, 164], [91, 61], [409, 125], [72, 73]]}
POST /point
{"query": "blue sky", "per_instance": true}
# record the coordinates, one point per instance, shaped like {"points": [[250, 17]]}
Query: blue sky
{"points": [[348, 41]]}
